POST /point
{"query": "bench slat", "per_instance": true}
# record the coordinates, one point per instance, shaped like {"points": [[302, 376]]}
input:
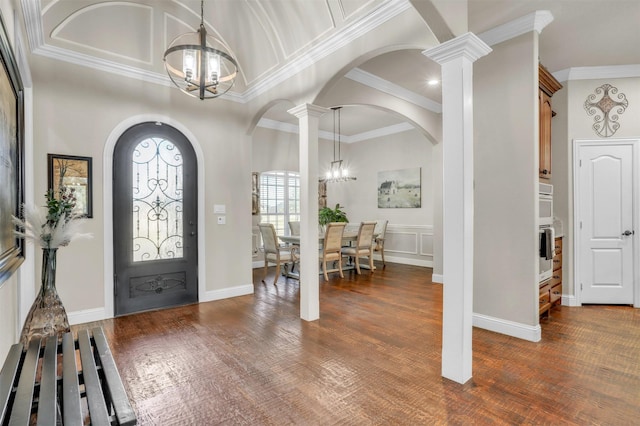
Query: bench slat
{"points": [[124, 413], [72, 410], [47, 399], [7, 378], [21, 411], [95, 397]]}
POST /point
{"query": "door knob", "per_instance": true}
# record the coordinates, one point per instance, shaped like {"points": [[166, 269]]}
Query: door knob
{"points": [[627, 233]]}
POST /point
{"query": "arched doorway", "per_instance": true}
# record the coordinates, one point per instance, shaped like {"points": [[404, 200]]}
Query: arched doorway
{"points": [[155, 219]]}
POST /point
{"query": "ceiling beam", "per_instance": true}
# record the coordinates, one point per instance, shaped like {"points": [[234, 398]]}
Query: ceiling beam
{"points": [[434, 19]]}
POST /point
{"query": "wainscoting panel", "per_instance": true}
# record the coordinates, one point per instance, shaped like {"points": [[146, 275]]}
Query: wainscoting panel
{"points": [[255, 242], [401, 242], [426, 244], [409, 244]]}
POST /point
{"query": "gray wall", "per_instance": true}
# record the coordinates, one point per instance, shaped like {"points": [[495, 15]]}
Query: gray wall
{"points": [[506, 177]]}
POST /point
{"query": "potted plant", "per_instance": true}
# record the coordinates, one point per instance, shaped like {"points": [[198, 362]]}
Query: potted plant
{"points": [[327, 215]]}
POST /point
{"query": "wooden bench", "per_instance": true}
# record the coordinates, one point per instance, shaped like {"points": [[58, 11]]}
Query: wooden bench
{"points": [[44, 384]]}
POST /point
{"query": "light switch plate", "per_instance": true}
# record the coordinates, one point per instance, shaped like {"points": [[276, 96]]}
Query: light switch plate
{"points": [[219, 208]]}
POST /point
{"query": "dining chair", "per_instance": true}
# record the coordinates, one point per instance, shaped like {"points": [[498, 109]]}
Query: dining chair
{"points": [[273, 252], [294, 227], [381, 229], [331, 247], [364, 245]]}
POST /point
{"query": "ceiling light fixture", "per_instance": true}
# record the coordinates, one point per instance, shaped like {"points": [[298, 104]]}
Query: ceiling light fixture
{"points": [[433, 82], [337, 172], [198, 64]]}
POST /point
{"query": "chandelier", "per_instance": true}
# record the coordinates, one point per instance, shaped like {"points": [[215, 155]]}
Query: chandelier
{"points": [[337, 171], [198, 65]]}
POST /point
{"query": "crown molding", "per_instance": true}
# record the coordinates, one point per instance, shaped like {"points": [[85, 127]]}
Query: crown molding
{"points": [[33, 22], [597, 73], [89, 61], [393, 89], [535, 21], [280, 126], [468, 46], [383, 131], [385, 12]]}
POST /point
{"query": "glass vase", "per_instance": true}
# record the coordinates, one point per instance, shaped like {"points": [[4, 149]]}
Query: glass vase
{"points": [[47, 316]]}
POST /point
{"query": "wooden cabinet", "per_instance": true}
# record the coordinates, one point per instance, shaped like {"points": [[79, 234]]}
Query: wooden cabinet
{"points": [[548, 85], [555, 292], [544, 300], [551, 289]]}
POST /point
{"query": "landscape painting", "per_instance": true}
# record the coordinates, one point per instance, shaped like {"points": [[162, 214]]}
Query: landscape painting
{"points": [[399, 189]]}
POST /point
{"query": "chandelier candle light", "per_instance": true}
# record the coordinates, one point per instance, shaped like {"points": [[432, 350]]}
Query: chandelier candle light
{"points": [[337, 172], [198, 65]]}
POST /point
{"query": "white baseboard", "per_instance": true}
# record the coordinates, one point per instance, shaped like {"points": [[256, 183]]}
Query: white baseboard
{"points": [[87, 315], [437, 278], [569, 300], [98, 314], [227, 293], [257, 264], [510, 328], [405, 261]]}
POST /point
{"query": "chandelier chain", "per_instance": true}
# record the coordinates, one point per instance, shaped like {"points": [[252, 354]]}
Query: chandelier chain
{"points": [[202, 13]]}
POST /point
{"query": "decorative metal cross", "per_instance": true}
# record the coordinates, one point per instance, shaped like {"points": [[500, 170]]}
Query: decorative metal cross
{"points": [[606, 125]]}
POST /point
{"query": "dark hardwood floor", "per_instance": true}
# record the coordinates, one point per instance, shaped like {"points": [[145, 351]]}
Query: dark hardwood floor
{"points": [[372, 358]]}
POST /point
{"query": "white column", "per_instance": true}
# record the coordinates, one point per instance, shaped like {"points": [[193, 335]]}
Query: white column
{"points": [[456, 58], [309, 120]]}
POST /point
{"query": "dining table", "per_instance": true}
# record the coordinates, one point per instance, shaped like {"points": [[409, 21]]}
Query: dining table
{"points": [[348, 237]]}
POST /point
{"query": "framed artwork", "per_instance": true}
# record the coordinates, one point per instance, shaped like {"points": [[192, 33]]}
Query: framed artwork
{"points": [[398, 189], [11, 158], [322, 193], [255, 193], [73, 172]]}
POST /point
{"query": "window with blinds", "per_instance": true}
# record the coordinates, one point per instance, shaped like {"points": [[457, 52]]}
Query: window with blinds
{"points": [[280, 199]]}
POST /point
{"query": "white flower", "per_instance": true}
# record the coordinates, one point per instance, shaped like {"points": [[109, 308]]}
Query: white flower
{"points": [[35, 227]]}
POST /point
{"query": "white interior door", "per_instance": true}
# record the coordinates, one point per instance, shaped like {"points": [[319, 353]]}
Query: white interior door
{"points": [[605, 223]]}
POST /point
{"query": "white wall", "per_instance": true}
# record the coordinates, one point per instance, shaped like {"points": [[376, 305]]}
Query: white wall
{"points": [[506, 177], [404, 150], [574, 124], [8, 315], [274, 150], [409, 237]]}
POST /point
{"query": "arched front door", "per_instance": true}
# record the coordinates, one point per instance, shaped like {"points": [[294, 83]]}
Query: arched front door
{"points": [[154, 219]]}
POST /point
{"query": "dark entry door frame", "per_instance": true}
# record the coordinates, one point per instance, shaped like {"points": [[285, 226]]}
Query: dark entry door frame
{"points": [[108, 174], [155, 219]]}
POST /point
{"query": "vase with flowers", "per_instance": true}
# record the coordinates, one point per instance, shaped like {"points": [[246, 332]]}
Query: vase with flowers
{"points": [[51, 227]]}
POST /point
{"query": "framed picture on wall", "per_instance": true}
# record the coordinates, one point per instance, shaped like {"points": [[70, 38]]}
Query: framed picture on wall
{"points": [[255, 193], [11, 158], [73, 172], [399, 189]]}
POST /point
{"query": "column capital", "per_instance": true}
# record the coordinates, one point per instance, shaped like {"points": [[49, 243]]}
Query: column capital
{"points": [[304, 110], [467, 46], [535, 21]]}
